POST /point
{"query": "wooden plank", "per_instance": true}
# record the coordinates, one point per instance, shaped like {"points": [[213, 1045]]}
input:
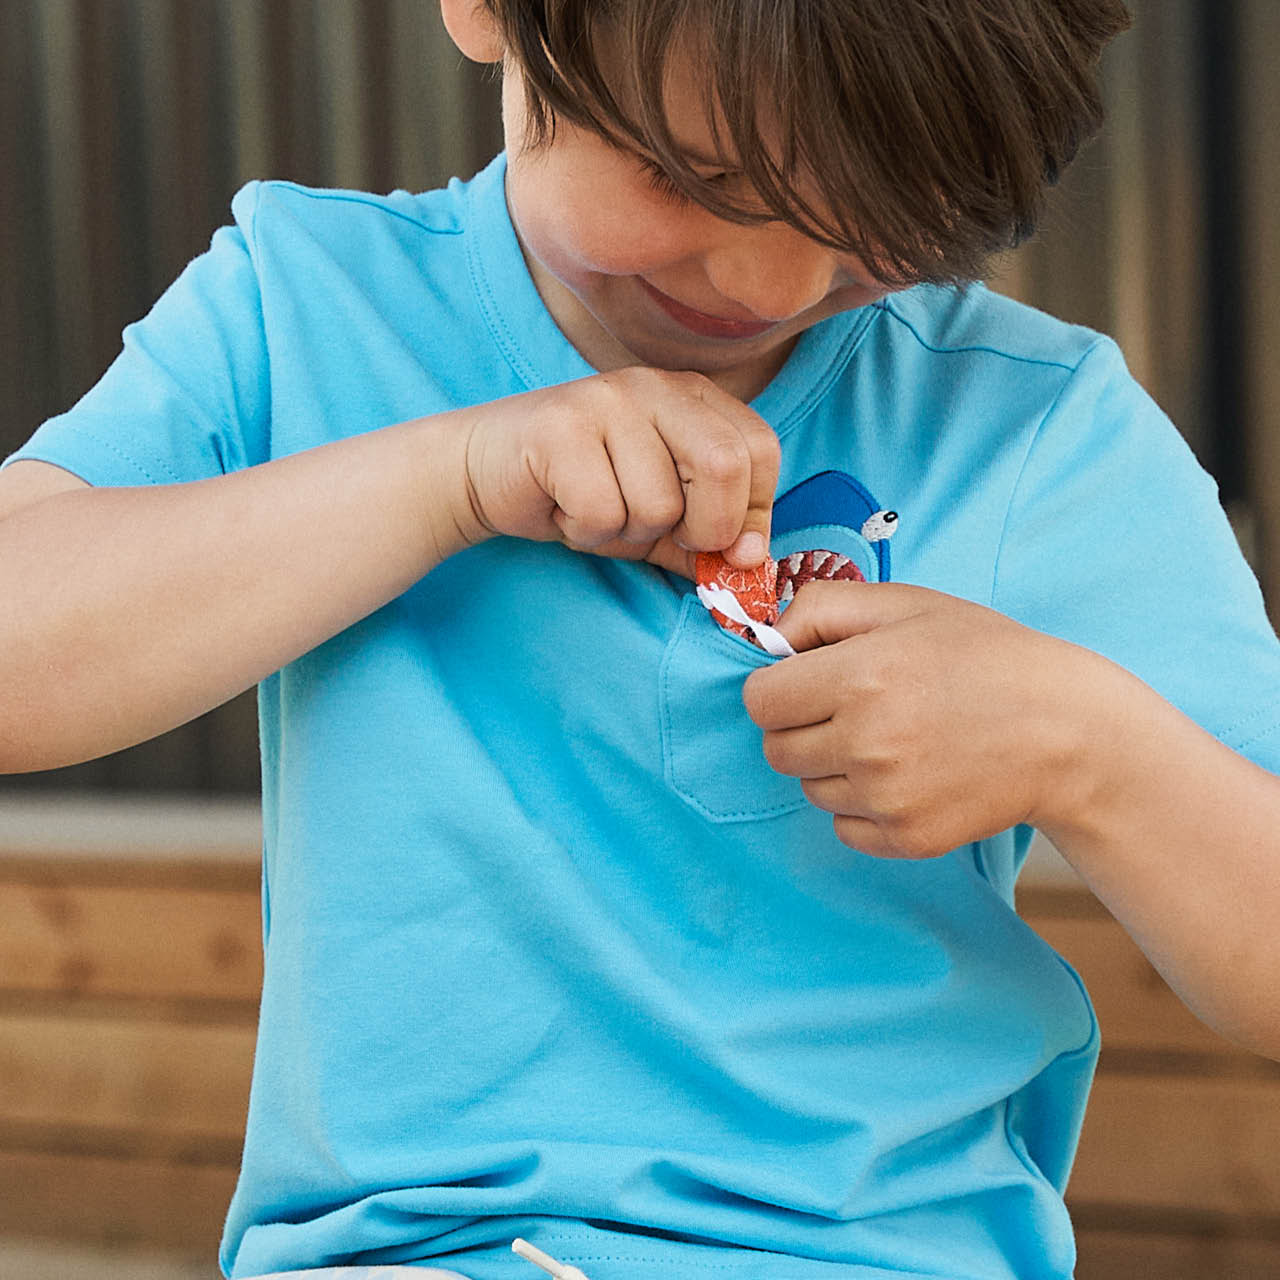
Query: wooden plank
{"points": [[154, 942], [53, 828], [113, 1203], [55, 1259], [1136, 1008], [1130, 1255], [1172, 1142], [101, 1074]]}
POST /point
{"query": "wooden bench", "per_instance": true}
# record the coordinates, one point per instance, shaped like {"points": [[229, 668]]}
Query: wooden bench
{"points": [[128, 1005]]}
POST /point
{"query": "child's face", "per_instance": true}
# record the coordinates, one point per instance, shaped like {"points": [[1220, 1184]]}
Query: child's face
{"points": [[633, 274]]}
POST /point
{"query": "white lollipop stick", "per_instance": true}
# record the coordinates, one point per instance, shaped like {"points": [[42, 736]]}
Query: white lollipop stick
{"points": [[724, 601], [544, 1260]]}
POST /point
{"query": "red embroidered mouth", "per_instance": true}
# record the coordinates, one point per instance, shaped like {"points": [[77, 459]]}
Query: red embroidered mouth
{"points": [[763, 591]]}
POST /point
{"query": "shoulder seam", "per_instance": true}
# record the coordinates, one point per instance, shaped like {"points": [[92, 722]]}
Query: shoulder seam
{"points": [[1072, 370], [887, 305], [369, 200]]}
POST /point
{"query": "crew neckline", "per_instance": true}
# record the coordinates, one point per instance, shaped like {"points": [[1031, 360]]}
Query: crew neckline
{"points": [[540, 354]]}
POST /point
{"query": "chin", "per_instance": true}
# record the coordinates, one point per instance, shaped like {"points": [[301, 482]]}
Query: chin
{"points": [[706, 356]]}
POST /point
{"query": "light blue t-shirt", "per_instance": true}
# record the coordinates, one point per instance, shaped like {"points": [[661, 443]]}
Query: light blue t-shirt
{"points": [[549, 949]]}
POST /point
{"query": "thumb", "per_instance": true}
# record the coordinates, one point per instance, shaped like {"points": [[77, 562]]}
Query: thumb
{"points": [[667, 555], [828, 612], [751, 546]]}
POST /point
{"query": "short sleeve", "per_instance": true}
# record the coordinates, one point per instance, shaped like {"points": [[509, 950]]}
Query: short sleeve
{"points": [[1116, 540], [189, 394]]}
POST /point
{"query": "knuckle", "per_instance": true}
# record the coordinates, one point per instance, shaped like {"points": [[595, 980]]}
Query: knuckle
{"points": [[852, 834], [723, 460], [599, 523], [661, 514], [775, 752], [615, 388], [814, 595], [819, 793], [615, 379], [912, 837], [755, 697], [766, 448], [689, 380], [882, 797]]}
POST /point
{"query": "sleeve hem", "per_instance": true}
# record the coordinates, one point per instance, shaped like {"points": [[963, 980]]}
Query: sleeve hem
{"points": [[1253, 731], [97, 463]]}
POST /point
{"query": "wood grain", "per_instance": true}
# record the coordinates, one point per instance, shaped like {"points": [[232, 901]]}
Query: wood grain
{"points": [[143, 941]]}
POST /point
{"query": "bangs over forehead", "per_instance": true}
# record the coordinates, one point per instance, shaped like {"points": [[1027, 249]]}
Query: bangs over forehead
{"points": [[918, 135]]}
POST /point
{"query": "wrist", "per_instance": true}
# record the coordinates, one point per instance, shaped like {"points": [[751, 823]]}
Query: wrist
{"points": [[452, 514], [1094, 750]]}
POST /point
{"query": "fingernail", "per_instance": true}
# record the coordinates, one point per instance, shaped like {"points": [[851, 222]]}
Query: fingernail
{"points": [[750, 547]]}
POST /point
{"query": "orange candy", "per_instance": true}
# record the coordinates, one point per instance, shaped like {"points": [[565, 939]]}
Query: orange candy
{"points": [[763, 590], [756, 589]]}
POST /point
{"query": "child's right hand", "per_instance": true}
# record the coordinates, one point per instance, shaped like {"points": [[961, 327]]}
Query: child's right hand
{"points": [[636, 464]]}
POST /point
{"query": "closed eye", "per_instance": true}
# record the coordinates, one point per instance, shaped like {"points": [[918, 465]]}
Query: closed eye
{"points": [[665, 185], [662, 182]]}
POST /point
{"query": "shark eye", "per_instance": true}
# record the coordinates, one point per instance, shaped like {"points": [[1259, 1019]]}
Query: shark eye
{"points": [[882, 525]]}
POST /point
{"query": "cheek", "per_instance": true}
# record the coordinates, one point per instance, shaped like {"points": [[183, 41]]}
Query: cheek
{"points": [[583, 223]]}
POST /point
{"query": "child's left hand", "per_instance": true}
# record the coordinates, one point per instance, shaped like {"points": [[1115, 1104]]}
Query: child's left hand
{"points": [[923, 721]]}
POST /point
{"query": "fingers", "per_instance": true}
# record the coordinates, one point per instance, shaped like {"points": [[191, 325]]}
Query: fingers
{"points": [[752, 544], [589, 506], [809, 752], [612, 486], [648, 482], [733, 479], [805, 690], [625, 460], [690, 461], [764, 459], [824, 613], [860, 826], [727, 458]]}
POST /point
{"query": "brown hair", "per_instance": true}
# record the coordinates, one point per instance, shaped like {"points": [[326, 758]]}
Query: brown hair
{"points": [[918, 134]]}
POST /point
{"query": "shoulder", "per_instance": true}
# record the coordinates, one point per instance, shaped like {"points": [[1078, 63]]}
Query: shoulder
{"points": [[989, 328], [270, 211]]}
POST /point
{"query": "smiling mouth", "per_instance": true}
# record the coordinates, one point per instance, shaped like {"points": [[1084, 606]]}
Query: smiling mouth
{"points": [[699, 322]]}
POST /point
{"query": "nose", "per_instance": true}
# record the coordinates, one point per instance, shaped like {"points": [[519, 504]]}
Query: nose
{"points": [[771, 269]]}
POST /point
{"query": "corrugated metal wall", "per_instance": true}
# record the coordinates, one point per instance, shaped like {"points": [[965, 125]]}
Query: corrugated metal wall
{"points": [[125, 128], [126, 125]]}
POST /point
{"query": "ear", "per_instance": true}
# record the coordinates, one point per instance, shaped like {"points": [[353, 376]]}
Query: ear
{"points": [[473, 28]]}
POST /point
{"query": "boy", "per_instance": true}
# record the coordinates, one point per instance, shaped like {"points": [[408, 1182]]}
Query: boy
{"points": [[557, 945]]}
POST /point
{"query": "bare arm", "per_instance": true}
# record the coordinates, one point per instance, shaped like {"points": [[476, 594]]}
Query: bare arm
{"points": [[1180, 837], [922, 722], [128, 611]]}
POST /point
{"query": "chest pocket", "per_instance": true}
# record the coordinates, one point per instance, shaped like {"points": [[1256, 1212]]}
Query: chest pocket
{"points": [[713, 755]]}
